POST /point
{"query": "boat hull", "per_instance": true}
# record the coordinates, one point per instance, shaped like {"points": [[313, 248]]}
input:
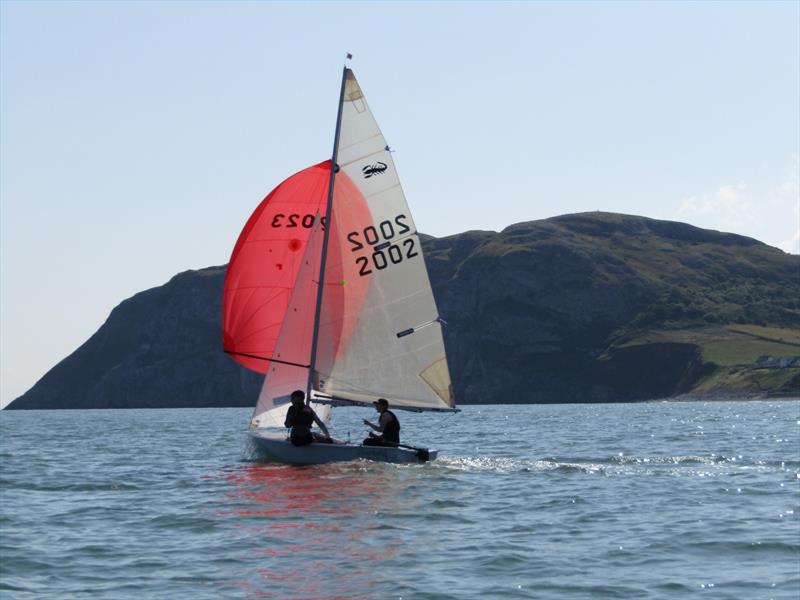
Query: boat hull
{"points": [[276, 447]]}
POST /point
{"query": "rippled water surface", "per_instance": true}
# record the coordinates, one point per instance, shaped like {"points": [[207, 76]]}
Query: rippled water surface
{"points": [[660, 500]]}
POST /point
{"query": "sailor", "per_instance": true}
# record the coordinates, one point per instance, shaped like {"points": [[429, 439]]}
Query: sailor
{"points": [[388, 426], [300, 418]]}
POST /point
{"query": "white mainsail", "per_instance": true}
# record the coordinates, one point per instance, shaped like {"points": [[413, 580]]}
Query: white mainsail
{"points": [[380, 335]]}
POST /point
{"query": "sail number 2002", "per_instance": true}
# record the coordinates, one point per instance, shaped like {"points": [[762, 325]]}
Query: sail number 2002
{"points": [[378, 238]]}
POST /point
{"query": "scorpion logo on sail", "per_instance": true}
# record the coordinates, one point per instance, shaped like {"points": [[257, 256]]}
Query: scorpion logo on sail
{"points": [[375, 169]]}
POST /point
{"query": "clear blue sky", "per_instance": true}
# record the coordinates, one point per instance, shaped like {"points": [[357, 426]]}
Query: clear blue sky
{"points": [[136, 137]]}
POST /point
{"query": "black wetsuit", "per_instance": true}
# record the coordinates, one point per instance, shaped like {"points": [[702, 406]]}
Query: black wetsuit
{"points": [[300, 421], [390, 435]]}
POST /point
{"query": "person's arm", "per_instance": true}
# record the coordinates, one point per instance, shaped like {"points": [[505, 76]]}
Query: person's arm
{"points": [[289, 417], [321, 425], [384, 420]]}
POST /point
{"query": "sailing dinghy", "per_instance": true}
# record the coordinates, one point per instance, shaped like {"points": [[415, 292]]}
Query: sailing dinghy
{"points": [[326, 291]]}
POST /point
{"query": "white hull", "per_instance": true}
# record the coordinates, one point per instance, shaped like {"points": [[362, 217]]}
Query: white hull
{"points": [[276, 447]]}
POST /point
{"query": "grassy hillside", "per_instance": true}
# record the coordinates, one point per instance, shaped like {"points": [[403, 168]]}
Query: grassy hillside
{"points": [[731, 351], [730, 344]]}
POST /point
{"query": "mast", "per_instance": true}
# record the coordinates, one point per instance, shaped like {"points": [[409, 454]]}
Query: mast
{"points": [[326, 234]]}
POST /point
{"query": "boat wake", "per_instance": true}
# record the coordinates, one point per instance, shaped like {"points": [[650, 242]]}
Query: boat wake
{"points": [[689, 465]]}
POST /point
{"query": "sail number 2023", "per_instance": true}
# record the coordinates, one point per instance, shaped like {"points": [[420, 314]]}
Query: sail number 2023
{"points": [[378, 238]]}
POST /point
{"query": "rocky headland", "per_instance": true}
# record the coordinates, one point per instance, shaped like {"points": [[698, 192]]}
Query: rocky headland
{"points": [[590, 307]]}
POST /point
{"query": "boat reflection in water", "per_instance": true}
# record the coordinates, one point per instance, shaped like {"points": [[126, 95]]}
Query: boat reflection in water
{"points": [[317, 531]]}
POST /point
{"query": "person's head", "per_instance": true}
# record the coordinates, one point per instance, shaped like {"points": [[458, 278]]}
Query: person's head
{"points": [[381, 405], [298, 396]]}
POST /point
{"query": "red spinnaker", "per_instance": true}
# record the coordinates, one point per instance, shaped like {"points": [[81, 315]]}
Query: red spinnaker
{"points": [[264, 265], [265, 262]]}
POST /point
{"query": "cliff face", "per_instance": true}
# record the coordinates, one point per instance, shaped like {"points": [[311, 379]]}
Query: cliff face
{"points": [[579, 308], [159, 348]]}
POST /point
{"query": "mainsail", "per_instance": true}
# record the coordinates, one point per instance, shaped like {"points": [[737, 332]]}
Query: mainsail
{"points": [[393, 347], [378, 330]]}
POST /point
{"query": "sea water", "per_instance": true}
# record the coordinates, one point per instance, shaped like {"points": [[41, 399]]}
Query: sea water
{"points": [[656, 500]]}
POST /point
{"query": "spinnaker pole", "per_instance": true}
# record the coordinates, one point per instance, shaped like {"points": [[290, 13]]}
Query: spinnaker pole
{"points": [[326, 234]]}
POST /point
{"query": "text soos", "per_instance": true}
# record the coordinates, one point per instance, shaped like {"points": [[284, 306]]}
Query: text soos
{"points": [[379, 246]]}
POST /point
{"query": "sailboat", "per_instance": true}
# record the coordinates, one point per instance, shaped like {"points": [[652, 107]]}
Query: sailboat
{"points": [[326, 291]]}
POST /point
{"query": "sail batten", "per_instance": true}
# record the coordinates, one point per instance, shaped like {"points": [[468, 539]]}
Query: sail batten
{"points": [[358, 159]]}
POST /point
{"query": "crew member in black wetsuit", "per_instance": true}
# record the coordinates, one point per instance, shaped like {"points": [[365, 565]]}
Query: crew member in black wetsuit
{"points": [[388, 426], [300, 418]]}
